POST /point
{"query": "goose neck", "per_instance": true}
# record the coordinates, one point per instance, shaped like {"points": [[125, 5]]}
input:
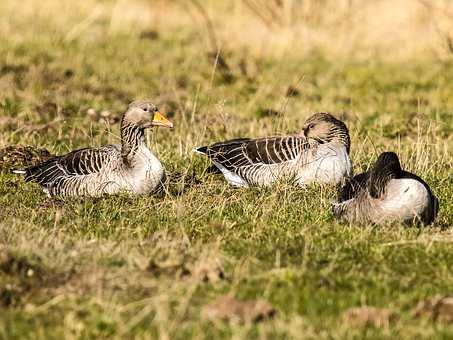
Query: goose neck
{"points": [[132, 137]]}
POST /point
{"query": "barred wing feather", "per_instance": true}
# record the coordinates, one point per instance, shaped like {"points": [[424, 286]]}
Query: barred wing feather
{"points": [[77, 163], [243, 152]]}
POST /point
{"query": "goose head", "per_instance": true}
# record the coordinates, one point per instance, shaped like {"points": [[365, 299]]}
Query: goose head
{"points": [[145, 114], [325, 128]]}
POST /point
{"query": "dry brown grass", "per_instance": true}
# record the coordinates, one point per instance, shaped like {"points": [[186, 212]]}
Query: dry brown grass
{"points": [[389, 29]]}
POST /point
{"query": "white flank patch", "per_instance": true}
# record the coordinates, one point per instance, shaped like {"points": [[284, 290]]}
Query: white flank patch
{"points": [[405, 198], [47, 192], [231, 177]]}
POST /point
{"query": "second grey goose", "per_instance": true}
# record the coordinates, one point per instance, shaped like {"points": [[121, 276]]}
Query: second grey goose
{"points": [[319, 153], [384, 194], [130, 166]]}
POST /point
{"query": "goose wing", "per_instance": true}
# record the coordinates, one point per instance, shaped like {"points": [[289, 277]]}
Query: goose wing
{"points": [[375, 180], [353, 186], [77, 163], [387, 167], [243, 152]]}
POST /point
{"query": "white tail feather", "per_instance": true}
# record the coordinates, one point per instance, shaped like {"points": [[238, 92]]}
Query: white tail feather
{"points": [[19, 172]]}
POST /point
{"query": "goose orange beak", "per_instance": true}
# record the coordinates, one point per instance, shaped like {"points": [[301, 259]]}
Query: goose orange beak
{"points": [[160, 120]]}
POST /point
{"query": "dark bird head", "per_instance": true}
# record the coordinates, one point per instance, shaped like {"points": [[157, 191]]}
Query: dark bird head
{"points": [[325, 128], [145, 115], [387, 160]]}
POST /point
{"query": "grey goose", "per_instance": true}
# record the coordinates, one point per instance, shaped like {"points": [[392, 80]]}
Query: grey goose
{"points": [[130, 166], [319, 153], [386, 193]]}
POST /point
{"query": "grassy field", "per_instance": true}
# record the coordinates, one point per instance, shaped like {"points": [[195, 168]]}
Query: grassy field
{"points": [[152, 267]]}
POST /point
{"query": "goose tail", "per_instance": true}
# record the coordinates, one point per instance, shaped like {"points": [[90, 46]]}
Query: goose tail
{"points": [[203, 150]]}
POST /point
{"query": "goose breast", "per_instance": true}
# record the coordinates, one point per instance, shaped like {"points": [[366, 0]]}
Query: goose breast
{"points": [[146, 173], [329, 164]]}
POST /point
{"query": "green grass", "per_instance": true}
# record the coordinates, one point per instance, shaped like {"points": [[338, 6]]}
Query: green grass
{"points": [[83, 269]]}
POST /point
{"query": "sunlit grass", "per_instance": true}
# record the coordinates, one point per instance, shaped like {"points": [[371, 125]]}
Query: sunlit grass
{"points": [[136, 266]]}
